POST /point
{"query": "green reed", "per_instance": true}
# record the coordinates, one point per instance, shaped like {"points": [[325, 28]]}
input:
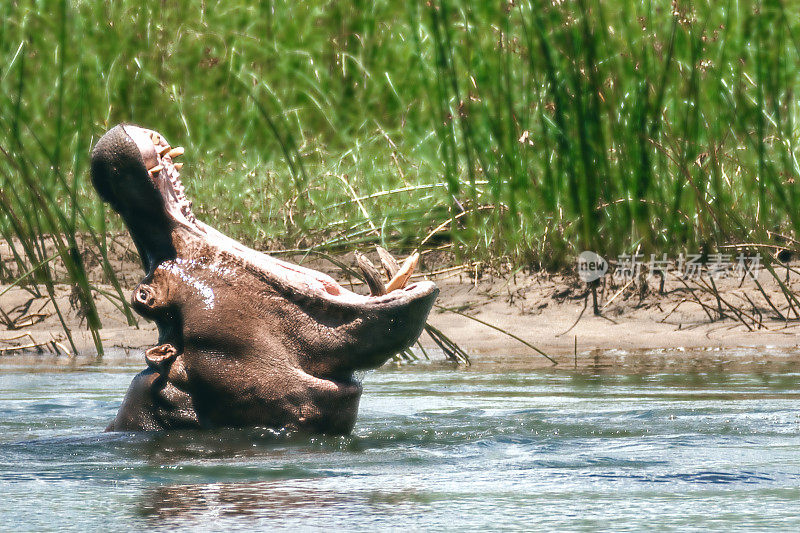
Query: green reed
{"points": [[545, 127], [619, 125]]}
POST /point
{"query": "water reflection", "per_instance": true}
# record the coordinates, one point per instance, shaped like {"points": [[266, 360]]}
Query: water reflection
{"points": [[679, 361], [275, 502], [262, 498]]}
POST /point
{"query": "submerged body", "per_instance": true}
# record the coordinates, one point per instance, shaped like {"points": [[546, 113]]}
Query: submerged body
{"points": [[244, 339]]}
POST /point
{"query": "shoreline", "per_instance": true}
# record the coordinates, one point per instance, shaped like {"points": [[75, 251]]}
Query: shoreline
{"points": [[639, 328]]}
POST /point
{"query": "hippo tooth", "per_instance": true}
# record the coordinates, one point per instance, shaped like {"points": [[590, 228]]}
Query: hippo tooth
{"points": [[400, 279], [371, 275], [178, 166], [156, 169], [388, 262], [175, 152], [164, 149]]}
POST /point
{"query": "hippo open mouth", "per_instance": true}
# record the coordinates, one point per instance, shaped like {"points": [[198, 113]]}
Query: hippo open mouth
{"points": [[244, 339]]}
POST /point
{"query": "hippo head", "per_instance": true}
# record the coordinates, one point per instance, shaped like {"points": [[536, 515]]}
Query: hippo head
{"points": [[244, 339]]}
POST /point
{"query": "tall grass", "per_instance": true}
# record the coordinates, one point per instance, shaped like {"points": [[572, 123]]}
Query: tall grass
{"points": [[545, 127], [619, 125]]}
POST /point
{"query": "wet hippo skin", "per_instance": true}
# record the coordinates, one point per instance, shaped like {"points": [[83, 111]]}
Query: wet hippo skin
{"points": [[244, 339]]}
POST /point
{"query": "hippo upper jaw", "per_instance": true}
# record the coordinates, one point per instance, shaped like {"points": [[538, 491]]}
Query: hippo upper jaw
{"points": [[244, 338]]}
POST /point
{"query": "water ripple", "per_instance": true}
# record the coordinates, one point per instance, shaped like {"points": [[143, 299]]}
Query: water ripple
{"points": [[434, 448]]}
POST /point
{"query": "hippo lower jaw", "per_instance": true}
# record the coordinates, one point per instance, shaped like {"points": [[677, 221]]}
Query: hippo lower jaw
{"points": [[244, 339]]}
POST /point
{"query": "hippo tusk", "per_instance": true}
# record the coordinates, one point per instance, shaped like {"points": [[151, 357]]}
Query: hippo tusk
{"points": [[371, 275], [400, 279], [388, 261]]}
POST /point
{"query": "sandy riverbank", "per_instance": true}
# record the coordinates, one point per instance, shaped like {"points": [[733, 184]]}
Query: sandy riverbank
{"points": [[553, 313]]}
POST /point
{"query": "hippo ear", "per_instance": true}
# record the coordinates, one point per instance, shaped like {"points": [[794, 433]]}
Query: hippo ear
{"points": [[168, 362], [160, 357]]}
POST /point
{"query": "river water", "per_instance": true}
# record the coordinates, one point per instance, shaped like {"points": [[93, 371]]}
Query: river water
{"points": [[435, 448]]}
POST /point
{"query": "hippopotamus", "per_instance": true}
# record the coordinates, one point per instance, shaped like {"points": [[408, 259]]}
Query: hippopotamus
{"points": [[244, 339]]}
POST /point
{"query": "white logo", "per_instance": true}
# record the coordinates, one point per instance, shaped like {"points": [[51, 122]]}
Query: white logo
{"points": [[591, 266]]}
